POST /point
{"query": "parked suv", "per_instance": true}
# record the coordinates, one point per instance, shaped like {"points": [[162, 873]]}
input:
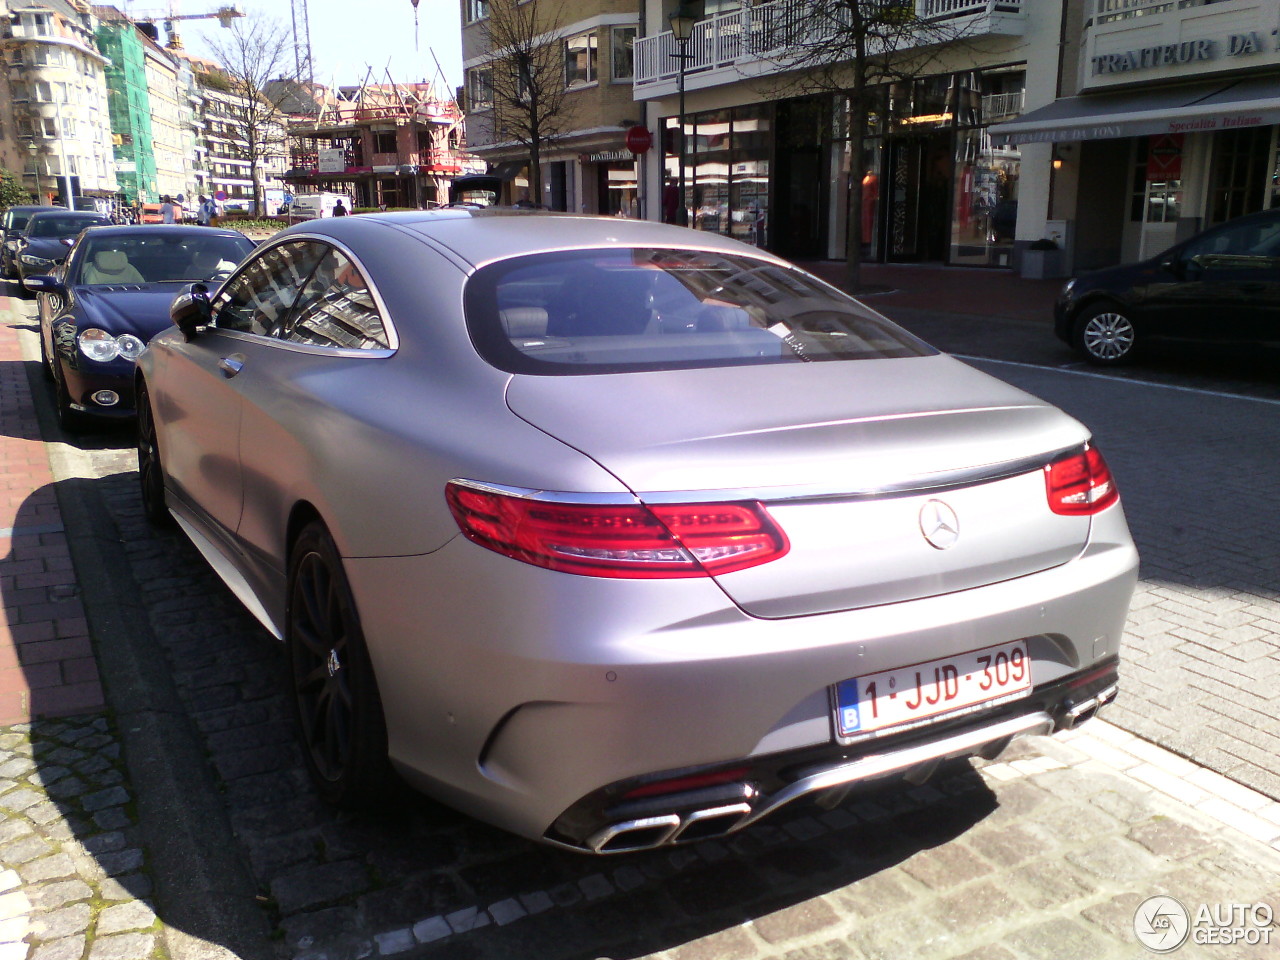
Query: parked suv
{"points": [[1221, 288], [12, 223]]}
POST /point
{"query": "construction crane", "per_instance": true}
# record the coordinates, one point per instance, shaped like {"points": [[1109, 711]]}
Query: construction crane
{"points": [[304, 65], [224, 15]]}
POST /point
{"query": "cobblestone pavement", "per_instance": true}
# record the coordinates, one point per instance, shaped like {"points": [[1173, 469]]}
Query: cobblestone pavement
{"points": [[1046, 853], [72, 873]]}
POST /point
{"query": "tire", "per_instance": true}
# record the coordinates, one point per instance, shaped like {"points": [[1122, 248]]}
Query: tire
{"points": [[71, 421], [150, 466], [335, 693], [46, 362], [1106, 336]]}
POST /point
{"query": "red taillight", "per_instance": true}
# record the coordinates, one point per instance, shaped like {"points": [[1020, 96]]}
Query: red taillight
{"points": [[627, 540], [1080, 485]]}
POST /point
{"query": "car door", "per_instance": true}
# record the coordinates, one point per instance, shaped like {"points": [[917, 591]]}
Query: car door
{"points": [[199, 402], [334, 324], [1226, 287]]}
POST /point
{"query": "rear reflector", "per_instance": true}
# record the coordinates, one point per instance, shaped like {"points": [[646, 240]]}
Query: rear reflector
{"points": [[621, 541], [692, 782], [1080, 485]]}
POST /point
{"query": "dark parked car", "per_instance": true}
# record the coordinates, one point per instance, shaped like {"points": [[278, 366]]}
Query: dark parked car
{"points": [[1220, 288], [48, 236], [12, 223], [113, 297]]}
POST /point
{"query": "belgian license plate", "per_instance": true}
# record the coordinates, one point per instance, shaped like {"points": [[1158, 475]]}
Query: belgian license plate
{"points": [[909, 696]]}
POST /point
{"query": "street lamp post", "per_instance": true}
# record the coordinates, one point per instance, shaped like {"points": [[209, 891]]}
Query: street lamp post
{"points": [[682, 22]]}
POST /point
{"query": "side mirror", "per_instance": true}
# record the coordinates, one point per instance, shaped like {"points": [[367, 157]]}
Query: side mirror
{"points": [[190, 310], [1174, 265], [43, 284]]}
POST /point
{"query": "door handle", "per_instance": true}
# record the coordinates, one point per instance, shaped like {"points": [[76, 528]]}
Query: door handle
{"points": [[231, 365]]}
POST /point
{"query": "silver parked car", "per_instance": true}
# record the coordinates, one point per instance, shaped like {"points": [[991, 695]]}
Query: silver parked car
{"points": [[618, 534]]}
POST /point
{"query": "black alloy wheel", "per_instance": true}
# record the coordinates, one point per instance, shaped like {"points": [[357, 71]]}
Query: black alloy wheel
{"points": [[335, 693], [150, 466], [1105, 335]]}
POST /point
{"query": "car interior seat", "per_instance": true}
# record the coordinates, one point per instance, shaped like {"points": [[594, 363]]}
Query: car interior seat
{"points": [[111, 266]]}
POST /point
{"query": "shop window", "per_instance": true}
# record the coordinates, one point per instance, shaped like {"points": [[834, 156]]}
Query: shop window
{"points": [[623, 58], [580, 60], [1238, 173]]}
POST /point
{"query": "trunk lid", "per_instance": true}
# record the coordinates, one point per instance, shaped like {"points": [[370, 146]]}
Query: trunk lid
{"points": [[850, 458]]}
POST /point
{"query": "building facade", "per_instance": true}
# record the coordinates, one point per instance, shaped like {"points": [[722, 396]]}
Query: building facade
{"points": [[57, 108], [392, 145], [1167, 121], [228, 165], [768, 153], [129, 104], [586, 165]]}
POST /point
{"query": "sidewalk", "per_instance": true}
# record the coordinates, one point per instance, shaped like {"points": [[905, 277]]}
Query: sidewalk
{"points": [[46, 662]]}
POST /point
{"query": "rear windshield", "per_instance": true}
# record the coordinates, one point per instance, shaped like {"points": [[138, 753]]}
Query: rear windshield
{"points": [[63, 226], [606, 311]]}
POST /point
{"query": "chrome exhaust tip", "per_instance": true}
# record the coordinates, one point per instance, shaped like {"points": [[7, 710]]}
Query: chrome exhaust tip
{"points": [[632, 835], [1087, 709]]}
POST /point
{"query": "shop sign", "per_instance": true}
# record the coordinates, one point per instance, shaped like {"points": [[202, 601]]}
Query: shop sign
{"points": [[331, 160], [605, 156], [1188, 51], [1164, 158]]}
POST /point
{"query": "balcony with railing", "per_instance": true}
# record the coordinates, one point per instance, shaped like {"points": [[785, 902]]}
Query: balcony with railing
{"points": [[754, 40]]}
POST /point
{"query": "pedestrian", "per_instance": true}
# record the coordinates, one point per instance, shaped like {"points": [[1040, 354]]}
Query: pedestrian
{"points": [[206, 211], [339, 210], [168, 212]]}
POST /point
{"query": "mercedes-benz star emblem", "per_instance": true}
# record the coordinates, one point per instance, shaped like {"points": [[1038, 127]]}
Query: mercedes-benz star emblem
{"points": [[939, 524]]}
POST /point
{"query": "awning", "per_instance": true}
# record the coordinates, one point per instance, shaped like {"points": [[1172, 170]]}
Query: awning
{"points": [[1190, 108]]}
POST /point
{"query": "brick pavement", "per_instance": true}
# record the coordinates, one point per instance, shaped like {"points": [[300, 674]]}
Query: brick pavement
{"points": [[1201, 653], [46, 663]]}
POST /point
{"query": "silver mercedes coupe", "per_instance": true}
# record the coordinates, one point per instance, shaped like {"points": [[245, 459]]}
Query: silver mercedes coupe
{"points": [[617, 534]]}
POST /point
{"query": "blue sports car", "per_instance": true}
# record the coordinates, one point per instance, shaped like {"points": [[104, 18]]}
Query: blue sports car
{"points": [[112, 296]]}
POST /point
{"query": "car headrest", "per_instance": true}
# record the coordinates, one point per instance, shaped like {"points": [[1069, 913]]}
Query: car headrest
{"points": [[111, 261]]}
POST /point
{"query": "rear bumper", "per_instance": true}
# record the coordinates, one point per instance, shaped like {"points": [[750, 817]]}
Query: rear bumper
{"points": [[531, 699], [778, 780]]}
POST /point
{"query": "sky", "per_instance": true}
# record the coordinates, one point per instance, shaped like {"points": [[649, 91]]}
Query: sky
{"points": [[347, 36]]}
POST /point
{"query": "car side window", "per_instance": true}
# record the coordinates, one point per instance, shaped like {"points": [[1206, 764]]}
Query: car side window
{"points": [[337, 309], [1238, 245], [259, 299]]}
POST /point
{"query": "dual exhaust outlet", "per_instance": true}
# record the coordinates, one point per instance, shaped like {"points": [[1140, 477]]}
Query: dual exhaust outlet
{"points": [[915, 763]]}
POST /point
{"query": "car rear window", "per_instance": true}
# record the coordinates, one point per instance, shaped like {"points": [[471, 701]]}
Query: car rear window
{"points": [[606, 311], [64, 226]]}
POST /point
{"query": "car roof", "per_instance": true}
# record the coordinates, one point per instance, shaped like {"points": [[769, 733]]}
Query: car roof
{"points": [[163, 229], [484, 235], [32, 206], [64, 212]]}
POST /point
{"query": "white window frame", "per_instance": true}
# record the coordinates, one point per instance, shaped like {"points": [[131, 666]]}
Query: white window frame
{"points": [[592, 65]]}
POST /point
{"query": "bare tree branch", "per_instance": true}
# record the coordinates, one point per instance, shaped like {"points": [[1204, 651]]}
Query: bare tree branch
{"points": [[850, 49], [256, 52], [527, 77]]}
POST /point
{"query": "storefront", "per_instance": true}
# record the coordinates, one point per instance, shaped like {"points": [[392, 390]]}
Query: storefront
{"points": [[935, 186]]}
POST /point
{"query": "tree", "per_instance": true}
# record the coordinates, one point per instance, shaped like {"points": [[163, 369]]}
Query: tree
{"points": [[12, 192], [255, 55], [527, 77], [851, 49]]}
